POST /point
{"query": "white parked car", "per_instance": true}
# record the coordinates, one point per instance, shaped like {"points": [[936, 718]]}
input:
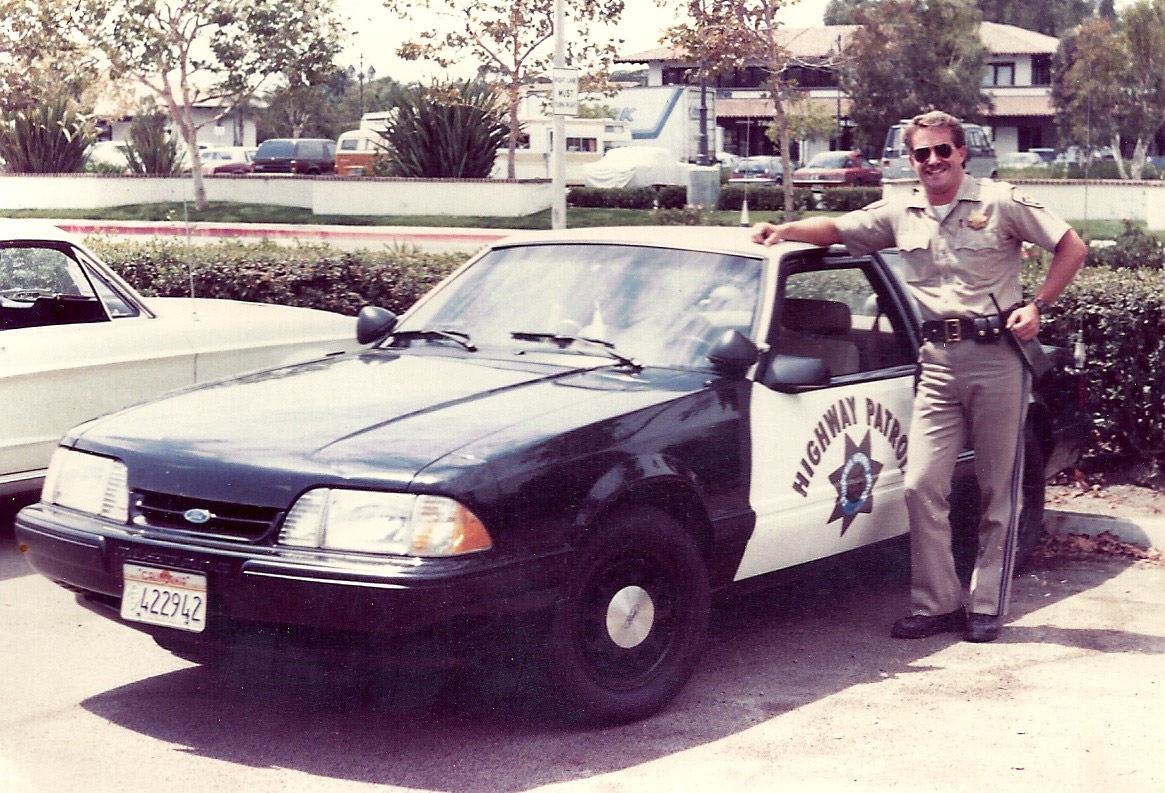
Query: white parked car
{"points": [[77, 341], [228, 160], [636, 166]]}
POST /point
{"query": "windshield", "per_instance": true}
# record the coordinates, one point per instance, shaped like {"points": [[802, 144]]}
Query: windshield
{"points": [[662, 307], [276, 148], [829, 159]]}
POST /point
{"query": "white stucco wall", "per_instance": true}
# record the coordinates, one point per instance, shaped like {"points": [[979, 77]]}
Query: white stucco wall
{"points": [[322, 195], [1084, 200]]}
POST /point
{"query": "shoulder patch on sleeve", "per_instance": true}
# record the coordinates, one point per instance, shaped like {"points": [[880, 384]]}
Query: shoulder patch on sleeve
{"points": [[1025, 199], [881, 202]]}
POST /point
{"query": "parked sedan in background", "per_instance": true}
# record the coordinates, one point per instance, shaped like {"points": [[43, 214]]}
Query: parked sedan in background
{"points": [[758, 170], [226, 160], [837, 169], [77, 341], [1022, 159]]}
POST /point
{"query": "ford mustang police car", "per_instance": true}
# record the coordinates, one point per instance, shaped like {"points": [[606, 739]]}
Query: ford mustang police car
{"points": [[593, 431]]}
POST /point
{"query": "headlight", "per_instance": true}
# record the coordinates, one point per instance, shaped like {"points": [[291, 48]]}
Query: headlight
{"points": [[389, 523], [87, 483]]}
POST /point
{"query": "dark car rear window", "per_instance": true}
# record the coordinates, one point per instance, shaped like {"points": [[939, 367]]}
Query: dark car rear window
{"points": [[276, 148]]}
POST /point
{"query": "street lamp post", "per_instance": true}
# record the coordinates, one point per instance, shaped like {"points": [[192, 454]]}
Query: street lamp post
{"points": [[360, 75]]}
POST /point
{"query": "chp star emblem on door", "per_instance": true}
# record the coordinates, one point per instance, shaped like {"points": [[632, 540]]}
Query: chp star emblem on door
{"points": [[854, 481]]}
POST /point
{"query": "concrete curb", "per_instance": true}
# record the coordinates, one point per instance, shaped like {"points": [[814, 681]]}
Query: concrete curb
{"points": [[1147, 531]]}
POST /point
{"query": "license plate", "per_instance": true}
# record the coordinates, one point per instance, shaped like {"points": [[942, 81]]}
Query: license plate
{"points": [[164, 597]]}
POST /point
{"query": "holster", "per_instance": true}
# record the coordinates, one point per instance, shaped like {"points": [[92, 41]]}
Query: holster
{"points": [[989, 330]]}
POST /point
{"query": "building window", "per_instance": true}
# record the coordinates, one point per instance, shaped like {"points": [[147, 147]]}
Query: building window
{"points": [[999, 74], [677, 75], [582, 144], [1041, 70]]}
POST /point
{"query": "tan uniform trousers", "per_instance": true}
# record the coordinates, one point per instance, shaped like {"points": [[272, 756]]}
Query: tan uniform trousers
{"points": [[980, 391]]}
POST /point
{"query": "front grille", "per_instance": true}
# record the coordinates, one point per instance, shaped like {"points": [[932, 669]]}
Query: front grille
{"points": [[163, 511]]}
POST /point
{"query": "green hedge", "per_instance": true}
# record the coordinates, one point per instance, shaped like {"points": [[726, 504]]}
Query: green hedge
{"points": [[763, 198], [313, 276], [667, 197], [844, 199], [1120, 316], [1118, 312]]}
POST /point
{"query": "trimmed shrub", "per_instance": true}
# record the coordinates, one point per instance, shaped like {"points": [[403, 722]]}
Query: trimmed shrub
{"points": [[763, 197], [312, 276], [844, 199], [615, 197], [672, 196], [1133, 249]]}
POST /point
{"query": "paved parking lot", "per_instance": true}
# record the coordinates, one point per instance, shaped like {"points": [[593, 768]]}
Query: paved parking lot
{"points": [[801, 689]]}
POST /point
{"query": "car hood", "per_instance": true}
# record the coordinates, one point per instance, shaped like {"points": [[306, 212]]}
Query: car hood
{"points": [[374, 419]]}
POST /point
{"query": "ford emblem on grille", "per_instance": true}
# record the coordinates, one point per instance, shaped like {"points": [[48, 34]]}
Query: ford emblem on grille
{"points": [[198, 516]]}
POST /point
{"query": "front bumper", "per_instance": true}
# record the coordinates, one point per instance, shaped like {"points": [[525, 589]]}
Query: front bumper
{"points": [[254, 590]]}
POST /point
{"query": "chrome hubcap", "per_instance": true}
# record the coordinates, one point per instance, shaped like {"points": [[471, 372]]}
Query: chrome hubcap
{"points": [[630, 616]]}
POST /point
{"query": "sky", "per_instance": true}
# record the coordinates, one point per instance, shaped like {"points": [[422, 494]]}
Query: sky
{"points": [[380, 33]]}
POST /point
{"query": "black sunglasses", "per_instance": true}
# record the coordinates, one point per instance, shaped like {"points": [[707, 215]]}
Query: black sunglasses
{"points": [[943, 150]]}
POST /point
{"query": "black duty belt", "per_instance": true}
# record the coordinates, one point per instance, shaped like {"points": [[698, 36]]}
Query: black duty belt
{"points": [[985, 330]]}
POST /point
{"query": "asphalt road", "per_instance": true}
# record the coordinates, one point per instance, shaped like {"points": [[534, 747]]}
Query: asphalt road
{"points": [[801, 690]]}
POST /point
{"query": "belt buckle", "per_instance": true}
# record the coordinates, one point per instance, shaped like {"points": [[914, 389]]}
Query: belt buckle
{"points": [[952, 330]]}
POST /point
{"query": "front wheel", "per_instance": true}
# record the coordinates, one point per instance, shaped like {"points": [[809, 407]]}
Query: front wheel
{"points": [[627, 633]]}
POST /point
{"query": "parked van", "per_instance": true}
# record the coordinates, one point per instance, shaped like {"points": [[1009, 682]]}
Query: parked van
{"points": [[356, 150], [980, 152], [308, 156]]}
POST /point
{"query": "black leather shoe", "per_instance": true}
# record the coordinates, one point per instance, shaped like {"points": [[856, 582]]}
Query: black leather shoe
{"points": [[919, 626], [983, 627]]}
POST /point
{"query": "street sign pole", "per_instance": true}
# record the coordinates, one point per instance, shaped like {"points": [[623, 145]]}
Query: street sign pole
{"points": [[560, 102]]}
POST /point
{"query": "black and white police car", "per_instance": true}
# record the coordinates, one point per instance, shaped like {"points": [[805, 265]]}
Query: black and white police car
{"points": [[594, 431]]}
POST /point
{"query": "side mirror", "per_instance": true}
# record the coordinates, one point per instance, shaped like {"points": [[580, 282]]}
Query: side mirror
{"points": [[791, 373], [732, 354], [374, 323]]}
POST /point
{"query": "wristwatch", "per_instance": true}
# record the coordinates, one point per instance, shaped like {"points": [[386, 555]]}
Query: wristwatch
{"points": [[1042, 306]]}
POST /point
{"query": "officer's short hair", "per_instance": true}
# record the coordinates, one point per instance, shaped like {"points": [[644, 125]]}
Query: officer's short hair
{"points": [[936, 118]]}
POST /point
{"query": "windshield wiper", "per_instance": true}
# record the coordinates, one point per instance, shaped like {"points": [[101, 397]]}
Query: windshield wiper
{"points": [[455, 336], [564, 340]]}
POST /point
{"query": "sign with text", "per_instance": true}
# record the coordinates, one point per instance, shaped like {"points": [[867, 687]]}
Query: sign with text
{"points": [[565, 97]]}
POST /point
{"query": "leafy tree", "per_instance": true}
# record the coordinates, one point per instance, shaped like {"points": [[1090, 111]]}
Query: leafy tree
{"points": [[47, 138], [39, 58], [509, 40], [1050, 17], [151, 149], [910, 56], [189, 52], [728, 35], [1107, 84], [844, 12], [445, 130], [1141, 112]]}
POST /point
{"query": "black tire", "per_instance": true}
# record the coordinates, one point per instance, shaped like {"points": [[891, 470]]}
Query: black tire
{"points": [[627, 633]]}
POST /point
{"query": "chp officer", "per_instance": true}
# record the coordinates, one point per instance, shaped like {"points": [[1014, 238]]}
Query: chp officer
{"points": [[960, 241]]}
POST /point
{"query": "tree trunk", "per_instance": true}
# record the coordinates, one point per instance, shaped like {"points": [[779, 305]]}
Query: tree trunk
{"points": [[514, 91], [1116, 155]]}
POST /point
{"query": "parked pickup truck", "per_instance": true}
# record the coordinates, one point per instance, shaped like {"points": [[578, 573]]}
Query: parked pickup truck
{"points": [[589, 433]]}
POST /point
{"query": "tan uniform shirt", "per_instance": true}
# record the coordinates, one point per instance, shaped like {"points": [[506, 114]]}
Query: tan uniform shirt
{"points": [[954, 267]]}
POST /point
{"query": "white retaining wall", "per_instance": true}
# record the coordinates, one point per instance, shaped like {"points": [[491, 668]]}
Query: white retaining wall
{"points": [[1084, 200], [322, 195]]}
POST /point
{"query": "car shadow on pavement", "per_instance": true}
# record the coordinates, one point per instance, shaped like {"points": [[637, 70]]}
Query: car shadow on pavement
{"points": [[771, 653]]}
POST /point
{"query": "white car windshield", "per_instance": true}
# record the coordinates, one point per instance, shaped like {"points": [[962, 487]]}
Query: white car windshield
{"points": [[661, 307]]}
